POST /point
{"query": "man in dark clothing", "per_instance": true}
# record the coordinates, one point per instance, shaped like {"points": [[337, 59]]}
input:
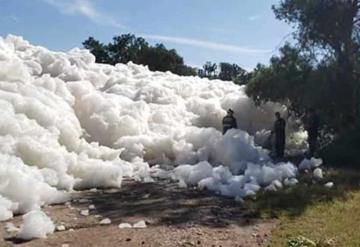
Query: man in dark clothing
{"points": [[312, 128], [279, 133], [229, 121]]}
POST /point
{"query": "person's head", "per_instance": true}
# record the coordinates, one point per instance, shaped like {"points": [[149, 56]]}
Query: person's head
{"points": [[230, 112], [277, 115]]}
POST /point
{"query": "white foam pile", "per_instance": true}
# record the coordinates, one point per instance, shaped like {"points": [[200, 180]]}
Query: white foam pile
{"points": [[105, 221], [309, 164], [6, 208], [139, 225], [221, 180], [36, 225], [84, 212], [69, 123]]}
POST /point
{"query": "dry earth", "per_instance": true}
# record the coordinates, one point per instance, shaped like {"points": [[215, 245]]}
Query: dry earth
{"points": [[174, 217]]}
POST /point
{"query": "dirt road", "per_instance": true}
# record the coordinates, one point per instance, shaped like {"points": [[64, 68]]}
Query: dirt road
{"points": [[174, 217]]}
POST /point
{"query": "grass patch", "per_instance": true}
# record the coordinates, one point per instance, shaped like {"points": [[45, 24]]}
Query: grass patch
{"points": [[337, 220], [315, 212]]}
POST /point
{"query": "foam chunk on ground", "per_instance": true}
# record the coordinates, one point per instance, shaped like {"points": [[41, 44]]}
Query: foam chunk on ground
{"points": [[105, 221], [84, 212], [36, 225], [290, 182], [6, 208], [271, 187], [220, 180], [193, 174], [124, 225], [25, 185], [318, 173], [140, 224], [329, 185], [239, 147], [309, 164], [60, 228], [277, 184]]}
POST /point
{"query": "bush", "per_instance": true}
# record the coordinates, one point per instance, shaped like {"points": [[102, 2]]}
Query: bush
{"points": [[344, 151]]}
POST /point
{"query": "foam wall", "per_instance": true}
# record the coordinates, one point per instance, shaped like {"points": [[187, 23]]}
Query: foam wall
{"points": [[68, 123]]}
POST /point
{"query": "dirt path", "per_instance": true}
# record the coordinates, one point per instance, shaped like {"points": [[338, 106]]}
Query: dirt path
{"points": [[174, 217]]}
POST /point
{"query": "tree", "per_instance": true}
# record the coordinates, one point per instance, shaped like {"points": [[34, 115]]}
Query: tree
{"points": [[228, 71], [233, 72], [98, 49], [285, 80], [213, 68], [125, 48], [322, 69], [201, 73], [128, 47], [159, 58], [185, 70], [330, 27], [209, 69], [243, 78]]}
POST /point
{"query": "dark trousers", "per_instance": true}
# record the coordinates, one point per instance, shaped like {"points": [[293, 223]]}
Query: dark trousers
{"points": [[312, 145], [279, 149]]}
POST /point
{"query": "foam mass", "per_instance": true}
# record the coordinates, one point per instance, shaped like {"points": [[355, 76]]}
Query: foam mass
{"points": [[69, 123]]}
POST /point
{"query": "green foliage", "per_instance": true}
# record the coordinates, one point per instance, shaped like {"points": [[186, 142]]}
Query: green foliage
{"points": [[225, 71], [321, 70], [301, 242], [128, 47], [344, 151], [322, 23], [97, 49], [288, 79], [330, 28], [243, 78], [323, 215], [229, 71], [209, 70], [305, 242]]}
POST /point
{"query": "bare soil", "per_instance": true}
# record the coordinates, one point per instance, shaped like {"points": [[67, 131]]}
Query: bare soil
{"points": [[174, 217]]}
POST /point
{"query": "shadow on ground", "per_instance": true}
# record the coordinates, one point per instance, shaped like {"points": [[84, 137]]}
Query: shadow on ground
{"points": [[164, 203]]}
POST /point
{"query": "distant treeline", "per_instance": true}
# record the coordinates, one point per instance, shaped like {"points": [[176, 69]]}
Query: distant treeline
{"points": [[128, 47], [225, 71]]}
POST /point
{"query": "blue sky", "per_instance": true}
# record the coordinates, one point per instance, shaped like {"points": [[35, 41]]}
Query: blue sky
{"points": [[237, 31]]}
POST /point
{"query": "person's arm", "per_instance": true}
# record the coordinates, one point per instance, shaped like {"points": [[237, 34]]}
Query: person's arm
{"points": [[235, 124]]}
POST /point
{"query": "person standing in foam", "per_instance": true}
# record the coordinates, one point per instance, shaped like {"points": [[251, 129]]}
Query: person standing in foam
{"points": [[229, 121], [312, 128], [279, 132]]}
